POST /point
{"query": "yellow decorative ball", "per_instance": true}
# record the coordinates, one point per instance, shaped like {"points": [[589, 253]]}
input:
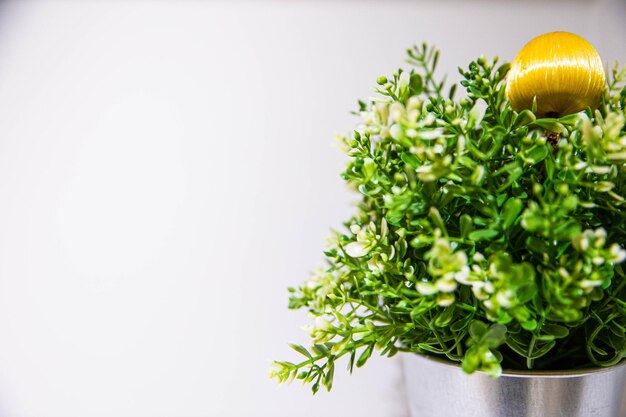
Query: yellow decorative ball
{"points": [[561, 70]]}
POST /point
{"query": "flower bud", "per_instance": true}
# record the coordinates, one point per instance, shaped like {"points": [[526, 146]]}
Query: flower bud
{"points": [[561, 70]]}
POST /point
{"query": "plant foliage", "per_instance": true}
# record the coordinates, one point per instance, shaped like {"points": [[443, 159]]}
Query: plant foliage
{"points": [[483, 235]]}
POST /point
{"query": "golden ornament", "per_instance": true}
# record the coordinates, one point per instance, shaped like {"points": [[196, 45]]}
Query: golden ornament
{"points": [[561, 71]]}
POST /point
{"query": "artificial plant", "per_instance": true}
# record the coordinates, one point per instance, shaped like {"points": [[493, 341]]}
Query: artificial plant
{"points": [[486, 234]]}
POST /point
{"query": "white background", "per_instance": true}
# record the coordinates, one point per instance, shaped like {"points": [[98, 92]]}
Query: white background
{"points": [[166, 171]]}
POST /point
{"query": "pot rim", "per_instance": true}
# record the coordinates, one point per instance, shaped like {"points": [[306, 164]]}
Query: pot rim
{"points": [[514, 373]]}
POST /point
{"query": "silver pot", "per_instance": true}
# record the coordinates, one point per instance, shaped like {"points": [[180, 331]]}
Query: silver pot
{"points": [[440, 389]]}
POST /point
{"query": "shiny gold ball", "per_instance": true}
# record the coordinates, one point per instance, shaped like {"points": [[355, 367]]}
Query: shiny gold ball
{"points": [[561, 71]]}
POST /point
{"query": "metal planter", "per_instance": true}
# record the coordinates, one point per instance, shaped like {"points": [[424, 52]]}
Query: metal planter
{"points": [[440, 389]]}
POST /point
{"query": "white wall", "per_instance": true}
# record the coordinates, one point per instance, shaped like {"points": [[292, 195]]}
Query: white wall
{"points": [[166, 171]]}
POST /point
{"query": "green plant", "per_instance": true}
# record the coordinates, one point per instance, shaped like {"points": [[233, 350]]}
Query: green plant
{"points": [[484, 235]]}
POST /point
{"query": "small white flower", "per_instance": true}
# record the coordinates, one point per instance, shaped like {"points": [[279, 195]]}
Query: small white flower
{"points": [[403, 81], [357, 249], [384, 132], [463, 275], [368, 117], [478, 257], [580, 165], [589, 283], [479, 292], [414, 103], [395, 131], [413, 115], [396, 112], [444, 300], [375, 265], [617, 156], [504, 299], [600, 234], [384, 229], [446, 285], [600, 169], [619, 254], [322, 324], [382, 110], [430, 134], [428, 120], [597, 260], [479, 174], [426, 288]]}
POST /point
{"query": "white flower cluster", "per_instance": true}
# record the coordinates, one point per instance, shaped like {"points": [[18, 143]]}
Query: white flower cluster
{"points": [[615, 142], [367, 238], [322, 329], [486, 280], [592, 242], [606, 137], [376, 120], [323, 283], [447, 268]]}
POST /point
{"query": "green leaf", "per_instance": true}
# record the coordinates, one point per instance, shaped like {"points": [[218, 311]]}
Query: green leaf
{"points": [[495, 336], [320, 349], [511, 211], [330, 373], [542, 350], [517, 345], [365, 355], [459, 325], [530, 325], [411, 159], [429, 348], [538, 153], [471, 361], [537, 246], [443, 319], [535, 223], [551, 125], [483, 234], [524, 118], [477, 330], [452, 91], [465, 225], [369, 169], [415, 84], [502, 71], [435, 216], [550, 167], [570, 120], [301, 349]]}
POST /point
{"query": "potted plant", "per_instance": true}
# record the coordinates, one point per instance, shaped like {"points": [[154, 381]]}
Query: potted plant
{"points": [[489, 234]]}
